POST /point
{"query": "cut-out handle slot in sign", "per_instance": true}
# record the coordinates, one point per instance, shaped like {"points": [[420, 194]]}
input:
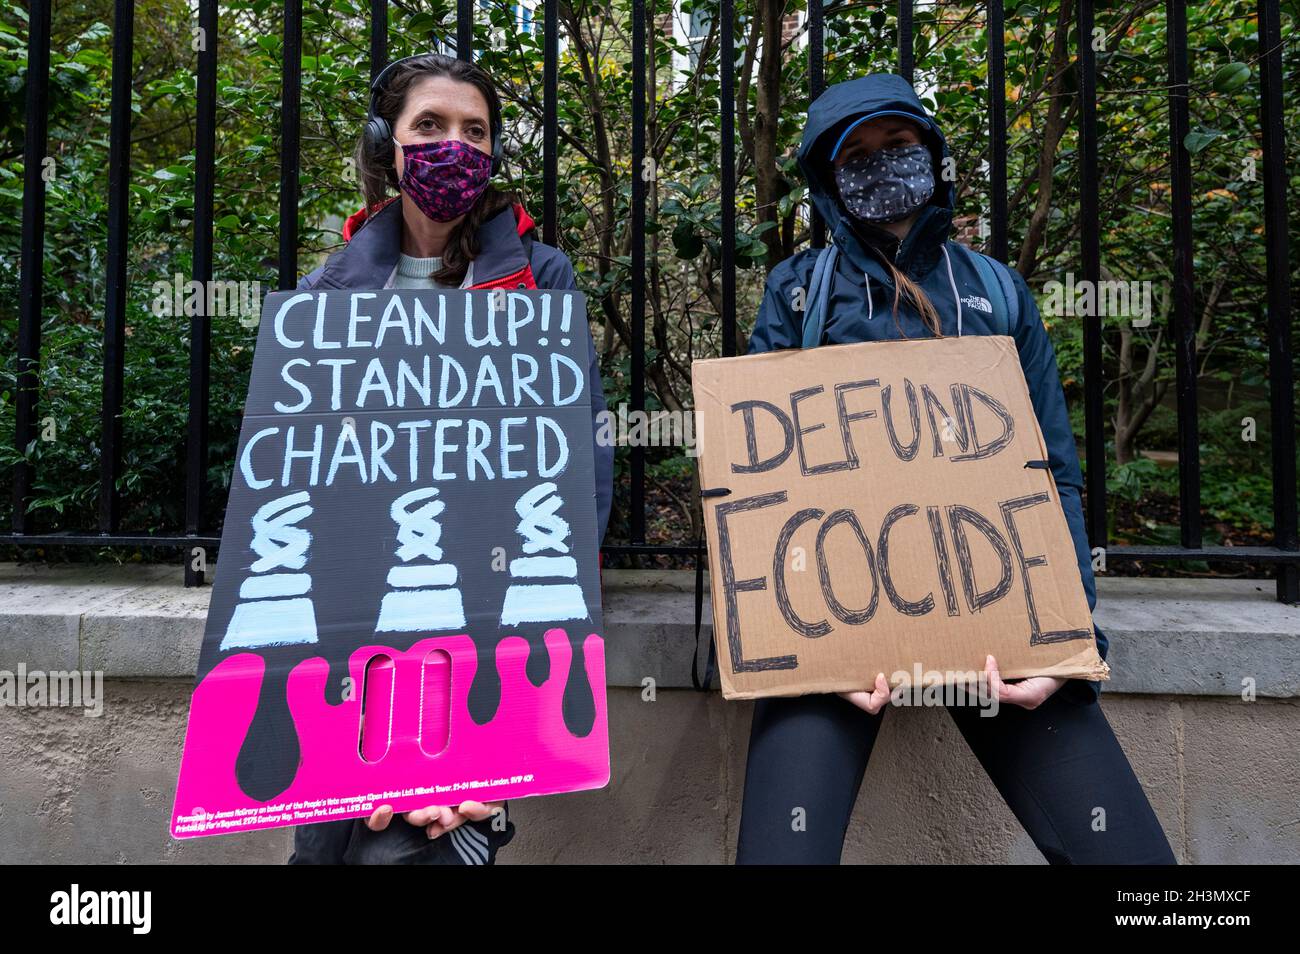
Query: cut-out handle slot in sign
{"points": [[435, 705], [377, 708], [381, 699]]}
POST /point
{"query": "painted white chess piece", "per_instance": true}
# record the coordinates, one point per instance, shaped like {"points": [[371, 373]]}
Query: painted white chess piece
{"points": [[424, 596], [274, 609], [543, 529]]}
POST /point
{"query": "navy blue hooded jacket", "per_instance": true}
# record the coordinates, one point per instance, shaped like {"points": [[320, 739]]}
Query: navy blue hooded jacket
{"points": [[369, 260], [858, 310]]}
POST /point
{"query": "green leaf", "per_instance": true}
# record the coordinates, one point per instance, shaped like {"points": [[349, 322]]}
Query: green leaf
{"points": [[1231, 77], [1196, 140], [686, 242]]}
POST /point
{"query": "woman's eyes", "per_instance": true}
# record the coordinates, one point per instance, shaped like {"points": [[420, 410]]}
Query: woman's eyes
{"points": [[429, 123], [893, 142]]}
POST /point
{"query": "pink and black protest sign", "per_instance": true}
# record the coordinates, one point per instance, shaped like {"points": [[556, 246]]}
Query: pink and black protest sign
{"points": [[406, 609]]}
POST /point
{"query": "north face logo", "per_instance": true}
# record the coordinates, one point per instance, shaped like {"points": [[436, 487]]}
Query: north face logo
{"points": [[978, 303]]}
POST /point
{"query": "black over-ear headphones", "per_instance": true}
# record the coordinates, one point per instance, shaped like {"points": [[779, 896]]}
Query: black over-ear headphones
{"points": [[379, 134]]}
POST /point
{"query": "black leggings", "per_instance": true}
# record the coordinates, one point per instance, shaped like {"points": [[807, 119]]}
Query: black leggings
{"points": [[1055, 766]]}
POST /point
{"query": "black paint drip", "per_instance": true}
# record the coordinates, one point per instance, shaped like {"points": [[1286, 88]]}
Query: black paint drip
{"points": [[539, 661], [485, 690], [269, 757], [579, 702]]}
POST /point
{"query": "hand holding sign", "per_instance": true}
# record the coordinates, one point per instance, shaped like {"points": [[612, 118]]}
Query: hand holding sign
{"points": [[873, 701], [1026, 693], [436, 820]]}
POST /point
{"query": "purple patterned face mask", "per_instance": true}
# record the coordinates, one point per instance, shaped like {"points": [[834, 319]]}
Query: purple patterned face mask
{"points": [[444, 179]]}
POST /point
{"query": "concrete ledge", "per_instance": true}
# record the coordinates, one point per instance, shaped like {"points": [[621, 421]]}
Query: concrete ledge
{"points": [[1167, 637], [1199, 637]]}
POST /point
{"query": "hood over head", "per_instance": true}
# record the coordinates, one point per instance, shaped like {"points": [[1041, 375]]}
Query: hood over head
{"points": [[833, 112]]}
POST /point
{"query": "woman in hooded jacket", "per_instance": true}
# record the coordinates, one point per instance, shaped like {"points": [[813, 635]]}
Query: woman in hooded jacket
{"points": [[434, 134], [875, 163]]}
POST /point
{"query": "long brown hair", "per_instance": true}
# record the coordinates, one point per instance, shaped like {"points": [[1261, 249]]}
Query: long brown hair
{"points": [[377, 178], [904, 287], [920, 300]]}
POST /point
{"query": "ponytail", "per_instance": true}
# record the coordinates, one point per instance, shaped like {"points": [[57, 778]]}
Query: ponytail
{"points": [[919, 299]]}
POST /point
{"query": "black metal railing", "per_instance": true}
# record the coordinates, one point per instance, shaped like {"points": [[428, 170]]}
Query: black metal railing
{"points": [[1283, 555]]}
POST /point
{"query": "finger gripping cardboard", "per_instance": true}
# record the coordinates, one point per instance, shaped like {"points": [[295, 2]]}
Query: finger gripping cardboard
{"points": [[884, 507], [406, 609]]}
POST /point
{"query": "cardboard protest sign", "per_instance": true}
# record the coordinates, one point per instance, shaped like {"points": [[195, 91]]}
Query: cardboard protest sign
{"points": [[407, 609], [883, 507]]}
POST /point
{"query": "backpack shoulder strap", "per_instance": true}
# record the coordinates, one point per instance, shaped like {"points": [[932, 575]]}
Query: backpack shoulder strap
{"points": [[1009, 296], [814, 310], [999, 289]]}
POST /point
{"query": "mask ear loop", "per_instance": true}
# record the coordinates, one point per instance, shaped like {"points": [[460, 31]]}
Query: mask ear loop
{"points": [[953, 284], [870, 306]]}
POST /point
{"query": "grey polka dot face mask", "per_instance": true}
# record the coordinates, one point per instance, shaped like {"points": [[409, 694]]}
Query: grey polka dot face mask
{"points": [[889, 184]]}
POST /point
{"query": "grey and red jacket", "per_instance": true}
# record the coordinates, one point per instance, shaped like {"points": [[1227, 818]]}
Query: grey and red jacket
{"points": [[508, 258]]}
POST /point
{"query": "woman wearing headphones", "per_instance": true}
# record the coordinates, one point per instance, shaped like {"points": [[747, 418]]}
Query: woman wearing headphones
{"points": [[873, 158], [434, 134]]}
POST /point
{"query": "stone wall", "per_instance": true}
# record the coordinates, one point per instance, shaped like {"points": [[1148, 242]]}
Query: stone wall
{"points": [[1221, 772]]}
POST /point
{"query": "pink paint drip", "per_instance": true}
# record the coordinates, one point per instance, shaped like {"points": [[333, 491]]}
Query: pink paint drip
{"points": [[525, 750]]}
